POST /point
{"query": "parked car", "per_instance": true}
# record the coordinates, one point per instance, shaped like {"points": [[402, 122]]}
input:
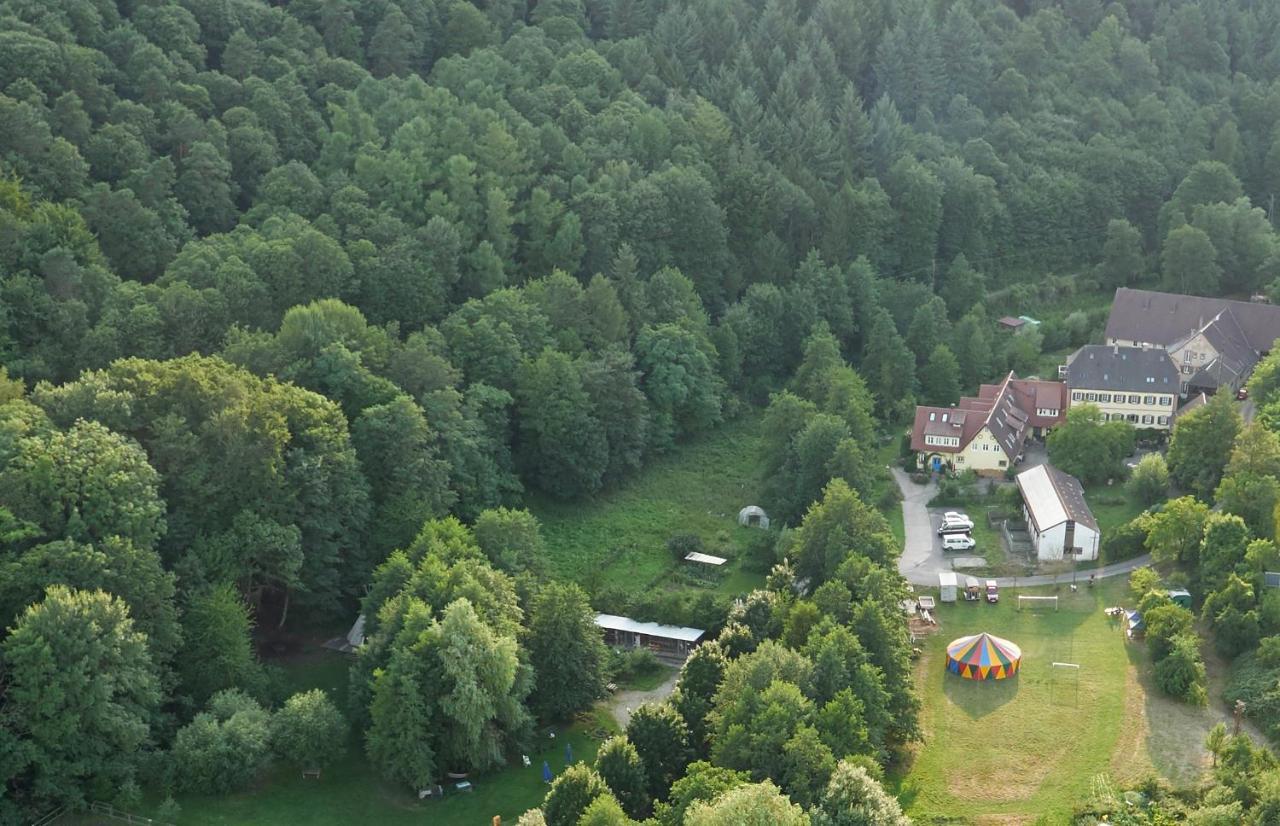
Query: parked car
{"points": [[955, 525], [971, 592], [993, 591], [960, 516], [1242, 393], [957, 542]]}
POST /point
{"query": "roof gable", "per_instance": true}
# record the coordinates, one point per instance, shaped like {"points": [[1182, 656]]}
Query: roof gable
{"points": [[1053, 497], [1164, 318]]}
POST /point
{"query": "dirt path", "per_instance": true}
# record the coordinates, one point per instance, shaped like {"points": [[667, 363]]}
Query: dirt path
{"points": [[624, 702]]}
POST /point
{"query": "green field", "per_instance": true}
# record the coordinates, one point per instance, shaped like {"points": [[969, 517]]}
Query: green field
{"points": [[1028, 745], [619, 538]]}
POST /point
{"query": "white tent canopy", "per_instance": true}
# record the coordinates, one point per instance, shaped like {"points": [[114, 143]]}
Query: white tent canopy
{"points": [[706, 559]]}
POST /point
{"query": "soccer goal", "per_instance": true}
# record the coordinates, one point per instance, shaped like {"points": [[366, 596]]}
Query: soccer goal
{"points": [[1065, 683], [1037, 602]]}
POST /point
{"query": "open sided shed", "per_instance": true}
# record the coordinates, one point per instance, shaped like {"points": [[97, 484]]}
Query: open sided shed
{"points": [[671, 640]]}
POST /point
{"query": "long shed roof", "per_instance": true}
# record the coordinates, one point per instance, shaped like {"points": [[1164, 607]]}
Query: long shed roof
{"points": [[1053, 497], [611, 622]]}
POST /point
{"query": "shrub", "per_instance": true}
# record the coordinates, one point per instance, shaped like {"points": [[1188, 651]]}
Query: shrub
{"points": [[889, 498], [309, 730], [1149, 482], [1181, 674], [1125, 542], [683, 544], [1143, 580], [225, 747]]}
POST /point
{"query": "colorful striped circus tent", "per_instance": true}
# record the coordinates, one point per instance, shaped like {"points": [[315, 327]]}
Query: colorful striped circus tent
{"points": [[983, 657]]}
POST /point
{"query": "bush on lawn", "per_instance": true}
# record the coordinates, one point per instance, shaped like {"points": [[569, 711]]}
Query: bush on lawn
{"points": [[1181, 674], [1149, 482], [225, 747], [683, 544], [1125, 542]]}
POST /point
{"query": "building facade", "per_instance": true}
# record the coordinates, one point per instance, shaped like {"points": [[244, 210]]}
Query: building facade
{"points": [[1138, 385], [1058, 519], [986, 433]]}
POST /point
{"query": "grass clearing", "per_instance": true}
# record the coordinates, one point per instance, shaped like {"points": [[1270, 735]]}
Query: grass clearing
{"points": [[1026, 749], [351, 792], [1111, 506], [619, 537]]}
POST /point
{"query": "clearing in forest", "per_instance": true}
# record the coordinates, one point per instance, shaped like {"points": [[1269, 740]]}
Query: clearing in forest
{"points": [[1028, 749], [619, 538]]}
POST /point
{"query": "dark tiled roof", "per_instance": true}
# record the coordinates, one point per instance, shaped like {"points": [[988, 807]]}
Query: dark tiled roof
{"points": [[1006, 409], [1111, 367], [1010, 321], [1164, 318], [945, 421], [1198, 400]]}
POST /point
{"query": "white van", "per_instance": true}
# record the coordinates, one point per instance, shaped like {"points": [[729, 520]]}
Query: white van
{"points": [[957, 542]]}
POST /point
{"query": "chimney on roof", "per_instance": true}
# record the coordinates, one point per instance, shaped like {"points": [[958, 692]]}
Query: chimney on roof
{"points": [[1115, 348]]}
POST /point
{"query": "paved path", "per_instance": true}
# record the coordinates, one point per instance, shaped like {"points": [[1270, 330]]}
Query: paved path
{"points": [[624, 702], [922, 558]]}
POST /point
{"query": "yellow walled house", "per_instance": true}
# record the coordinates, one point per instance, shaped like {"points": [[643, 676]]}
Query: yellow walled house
{"points": [[1138, 385], [986, 433]]}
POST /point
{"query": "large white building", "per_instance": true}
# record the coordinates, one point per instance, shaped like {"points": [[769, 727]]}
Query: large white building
{"points": [[1057, 516]]}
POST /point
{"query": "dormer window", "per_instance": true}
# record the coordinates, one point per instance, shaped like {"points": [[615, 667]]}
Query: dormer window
{"points": [[933, 417], [944, 416]]}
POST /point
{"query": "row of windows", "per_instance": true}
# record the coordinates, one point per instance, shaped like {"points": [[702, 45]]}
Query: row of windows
{"points": [[1133, 418], [945, 441], [1119, 398], [960, 461]]}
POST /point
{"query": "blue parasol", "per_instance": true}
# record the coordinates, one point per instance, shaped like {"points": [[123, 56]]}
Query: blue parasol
{"points": [[568, 753], [546, 772]]}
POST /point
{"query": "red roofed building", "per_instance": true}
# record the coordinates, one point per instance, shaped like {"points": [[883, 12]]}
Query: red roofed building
{"points": [[986, 433]]}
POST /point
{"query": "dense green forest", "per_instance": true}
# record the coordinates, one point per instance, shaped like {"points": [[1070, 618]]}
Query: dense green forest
{"points": [[283, 283]]}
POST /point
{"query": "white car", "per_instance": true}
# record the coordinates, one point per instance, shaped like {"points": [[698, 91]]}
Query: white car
{"points": [[957, 515], [957, 542], [955, 526]]}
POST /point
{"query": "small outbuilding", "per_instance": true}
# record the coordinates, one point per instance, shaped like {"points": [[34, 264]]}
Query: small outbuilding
{"points": [[667, 640], [947, 583], [753, 516], [1010, 323], [1181, 596], [353, 640], [1058, 519]]}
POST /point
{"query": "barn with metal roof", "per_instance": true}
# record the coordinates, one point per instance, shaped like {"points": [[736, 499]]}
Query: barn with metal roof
{"points": [[1058, 519]]}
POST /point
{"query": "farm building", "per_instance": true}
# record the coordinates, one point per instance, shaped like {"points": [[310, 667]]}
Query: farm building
{"points": [[1057, 516], [664, 640]]}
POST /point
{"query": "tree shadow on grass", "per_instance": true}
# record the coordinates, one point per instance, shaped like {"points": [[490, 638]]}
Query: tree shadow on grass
{"points": [[978, 698]]}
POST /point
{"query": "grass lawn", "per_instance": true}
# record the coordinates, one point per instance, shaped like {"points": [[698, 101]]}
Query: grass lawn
{"points": [[648, 680], [1016, 750], [619, 538], [1111, 506], [350, 791]]}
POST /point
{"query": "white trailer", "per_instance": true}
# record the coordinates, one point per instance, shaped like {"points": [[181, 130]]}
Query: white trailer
{"points": [[947, 585]]}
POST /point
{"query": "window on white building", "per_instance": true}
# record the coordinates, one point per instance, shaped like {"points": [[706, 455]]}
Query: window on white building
{"points": [[1135, 400]]}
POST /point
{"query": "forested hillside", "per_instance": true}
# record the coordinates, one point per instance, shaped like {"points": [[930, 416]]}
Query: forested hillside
{"points": [[280, 283]]}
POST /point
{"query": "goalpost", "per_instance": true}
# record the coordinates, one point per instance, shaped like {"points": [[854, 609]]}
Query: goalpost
{"points": [[1037, 601], [1061, 671]]}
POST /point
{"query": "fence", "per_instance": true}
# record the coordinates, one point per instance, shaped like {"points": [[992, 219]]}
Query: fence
{"points": [[107, 810], [49, 817]]}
